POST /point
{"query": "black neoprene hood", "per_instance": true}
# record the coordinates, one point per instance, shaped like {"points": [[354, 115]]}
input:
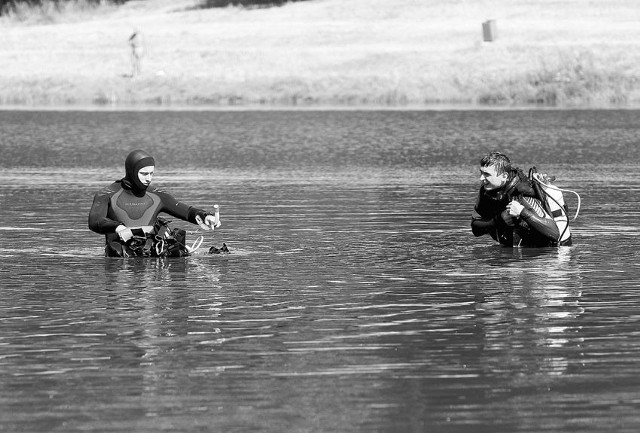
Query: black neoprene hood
{"points": [[134, 162]]}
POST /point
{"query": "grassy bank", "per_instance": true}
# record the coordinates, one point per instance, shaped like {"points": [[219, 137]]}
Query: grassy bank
{"points": [[565, 53]]}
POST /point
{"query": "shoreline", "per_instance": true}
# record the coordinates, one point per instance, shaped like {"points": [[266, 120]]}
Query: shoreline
{"points": [[319, 108]]}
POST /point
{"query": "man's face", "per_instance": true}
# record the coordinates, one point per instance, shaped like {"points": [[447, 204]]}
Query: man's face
{"points": [[145, 174], [490, 179]]}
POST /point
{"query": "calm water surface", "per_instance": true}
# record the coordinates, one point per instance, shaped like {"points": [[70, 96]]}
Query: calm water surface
{"points": [[355, 299]]}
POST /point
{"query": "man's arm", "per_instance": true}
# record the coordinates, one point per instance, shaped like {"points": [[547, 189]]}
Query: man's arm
{"points": [[482, 226], [183, 211], [498, 227], [538, 219], [98, 221]]}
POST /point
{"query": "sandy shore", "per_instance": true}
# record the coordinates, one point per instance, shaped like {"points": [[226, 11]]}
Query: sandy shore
{"points": [[352, 53]]}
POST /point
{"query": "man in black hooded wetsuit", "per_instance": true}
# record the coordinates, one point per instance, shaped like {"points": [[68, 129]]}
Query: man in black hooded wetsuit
{"points": [[130, 206], [508, 209]]}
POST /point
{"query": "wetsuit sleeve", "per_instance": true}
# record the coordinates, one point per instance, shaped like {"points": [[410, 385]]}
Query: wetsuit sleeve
{"points": [[180, 210], [538, 219], [486, 219], [482, 226], [98, 221], [495, 227]]}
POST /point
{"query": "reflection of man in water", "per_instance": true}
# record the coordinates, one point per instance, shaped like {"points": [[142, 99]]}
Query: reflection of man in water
{"points": [[137, 50], [508, 209]]}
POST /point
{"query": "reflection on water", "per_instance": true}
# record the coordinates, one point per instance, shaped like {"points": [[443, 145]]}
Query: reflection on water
{"points": [[355, 297], [539, 313]]}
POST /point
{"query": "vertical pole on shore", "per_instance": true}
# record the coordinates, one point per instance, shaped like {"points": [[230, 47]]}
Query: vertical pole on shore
{"points": [[489, 31]]}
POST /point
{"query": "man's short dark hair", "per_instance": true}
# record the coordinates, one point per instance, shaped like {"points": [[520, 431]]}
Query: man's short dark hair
{"points": [[499, 160]]}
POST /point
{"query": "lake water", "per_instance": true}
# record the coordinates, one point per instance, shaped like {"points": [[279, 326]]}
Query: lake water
{"points": [[355, 298]]}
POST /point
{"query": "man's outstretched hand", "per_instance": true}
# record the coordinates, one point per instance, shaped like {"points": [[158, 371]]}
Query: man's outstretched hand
{"points": [[209, 222]]}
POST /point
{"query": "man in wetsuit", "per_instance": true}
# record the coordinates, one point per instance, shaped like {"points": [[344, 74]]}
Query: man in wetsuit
{"points": [[508, 209], [130, 206]]}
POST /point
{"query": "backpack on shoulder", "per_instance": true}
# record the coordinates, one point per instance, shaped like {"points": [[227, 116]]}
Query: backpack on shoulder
{"points": [[552, 199]]}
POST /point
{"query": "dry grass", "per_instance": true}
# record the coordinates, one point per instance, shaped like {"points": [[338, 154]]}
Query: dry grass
{"points": [[328, 52]]}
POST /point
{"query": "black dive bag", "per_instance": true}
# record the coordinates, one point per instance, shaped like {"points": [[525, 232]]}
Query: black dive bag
{"points": [[164, 242]]}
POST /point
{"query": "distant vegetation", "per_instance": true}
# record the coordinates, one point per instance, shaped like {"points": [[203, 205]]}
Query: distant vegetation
{"points": [[24, 9], [258, 3], [18, 8], [40, 2], [6, 5]]}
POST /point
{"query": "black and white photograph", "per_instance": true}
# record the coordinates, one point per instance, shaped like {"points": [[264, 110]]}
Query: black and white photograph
{"points": [[320, 216]]}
